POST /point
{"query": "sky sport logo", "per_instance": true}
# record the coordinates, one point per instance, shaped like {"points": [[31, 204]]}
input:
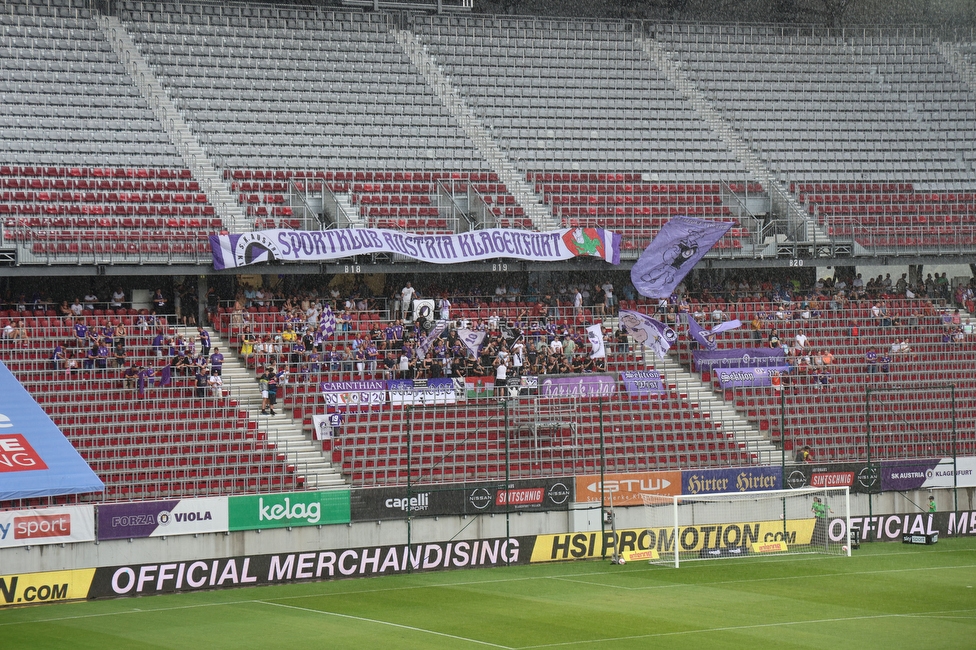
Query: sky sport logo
{"points": [[42, 526]]}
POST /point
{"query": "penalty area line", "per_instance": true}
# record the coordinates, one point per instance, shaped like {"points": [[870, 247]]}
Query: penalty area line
{"points": [[389, 623], [712, 630]]}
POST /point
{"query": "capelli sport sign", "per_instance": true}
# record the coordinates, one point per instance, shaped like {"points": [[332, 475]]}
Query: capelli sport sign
{"points": [[289, 509]]}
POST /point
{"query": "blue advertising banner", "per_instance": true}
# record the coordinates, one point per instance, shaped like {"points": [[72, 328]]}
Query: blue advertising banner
{"points": [[731, 479], [36, 460]]}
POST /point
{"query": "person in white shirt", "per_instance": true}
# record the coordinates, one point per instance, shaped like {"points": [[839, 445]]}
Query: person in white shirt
{"points": [[445, 308], [118, 297], [77, 308], [407, 294], [216, 384], [608, 297], [90, 300], [501, 377], [801, 342], [577, 303]]}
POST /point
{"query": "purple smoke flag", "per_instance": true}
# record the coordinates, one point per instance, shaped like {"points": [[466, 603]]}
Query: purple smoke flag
{"points": [[472, 340], [673, 252], [700, 334], [706, 338], [428, 341], [595, 334], [648, 331]]}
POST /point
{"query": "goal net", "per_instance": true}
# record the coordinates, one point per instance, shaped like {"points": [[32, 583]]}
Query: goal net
{"points": [[776, 522]]}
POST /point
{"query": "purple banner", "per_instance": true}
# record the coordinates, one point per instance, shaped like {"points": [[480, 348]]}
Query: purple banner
{"points": [[578, 386], [748, 377], [642, 382], [354, 393], [906, 475], [733, 479], [738, 358], [158, 518], [673, 252]]}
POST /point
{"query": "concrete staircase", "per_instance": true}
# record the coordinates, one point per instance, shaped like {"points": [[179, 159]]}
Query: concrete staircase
{"points": [[305, 454], [523, 192], [783, 202], [193, 154]]}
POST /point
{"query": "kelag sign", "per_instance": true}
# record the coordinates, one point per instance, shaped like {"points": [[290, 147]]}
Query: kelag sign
{"points": [[475, 498], [288, 509]]}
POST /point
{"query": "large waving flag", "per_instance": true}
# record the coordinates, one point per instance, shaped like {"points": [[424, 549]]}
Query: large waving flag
{"points": [[428, 341], [472, 340], [595, 334], [673, 252], [706, 338], [648, 331]]}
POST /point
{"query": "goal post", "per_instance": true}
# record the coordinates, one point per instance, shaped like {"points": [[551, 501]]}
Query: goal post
{"points": [[775, 522]]}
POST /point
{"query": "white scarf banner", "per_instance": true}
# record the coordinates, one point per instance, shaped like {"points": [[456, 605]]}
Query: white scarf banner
{"points": [[595, 334]]}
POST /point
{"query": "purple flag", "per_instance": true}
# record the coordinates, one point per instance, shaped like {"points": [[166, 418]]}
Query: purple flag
{"points": [[648, 331], [472, 340], [673, 253], [428, 341], [701, 335]]}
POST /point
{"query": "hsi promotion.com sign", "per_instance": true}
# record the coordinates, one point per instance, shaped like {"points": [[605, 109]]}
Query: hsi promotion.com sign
{"points": [[288, 509]]}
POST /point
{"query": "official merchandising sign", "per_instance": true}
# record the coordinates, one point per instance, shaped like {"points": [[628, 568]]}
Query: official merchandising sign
{"points": [[287, 509], [642, 382], [162, 518], [748, 377], [738, 358], [407, 392], [66, 524], [284, 568], [625, 489], [731, 479], [354, 393], [891, 528], [859, 477], [36, 460], [932, 473], [578, 386], [532, 495], [236, 250]]}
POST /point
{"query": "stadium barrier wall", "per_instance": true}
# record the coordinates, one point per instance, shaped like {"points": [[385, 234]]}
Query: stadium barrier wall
{"points": [[208, 562]]}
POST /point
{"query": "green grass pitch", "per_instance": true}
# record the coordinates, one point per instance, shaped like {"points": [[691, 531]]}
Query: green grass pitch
{"points": [[885, 596]]}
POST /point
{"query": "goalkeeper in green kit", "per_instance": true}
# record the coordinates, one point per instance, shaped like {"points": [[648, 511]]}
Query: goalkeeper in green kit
{"points": [[820, 511]]}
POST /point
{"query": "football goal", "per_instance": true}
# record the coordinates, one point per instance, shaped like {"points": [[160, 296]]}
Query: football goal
{"points": [[776, 522]]}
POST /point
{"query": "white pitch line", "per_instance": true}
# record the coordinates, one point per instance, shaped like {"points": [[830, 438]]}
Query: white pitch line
{"points": [[389, 623], [711, 630]]}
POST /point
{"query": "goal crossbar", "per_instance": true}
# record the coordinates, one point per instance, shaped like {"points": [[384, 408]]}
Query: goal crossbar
{"points": [[773, 522]]}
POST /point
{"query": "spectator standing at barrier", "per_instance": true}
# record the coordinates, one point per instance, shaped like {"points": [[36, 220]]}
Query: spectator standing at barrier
{"points": [[130, 375], [77, 309], [204, 337], [217, 361], [407, 295], [609, 300], [118, 298], [159, 301], [501, 377], [216, 383], [871, 359]]}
